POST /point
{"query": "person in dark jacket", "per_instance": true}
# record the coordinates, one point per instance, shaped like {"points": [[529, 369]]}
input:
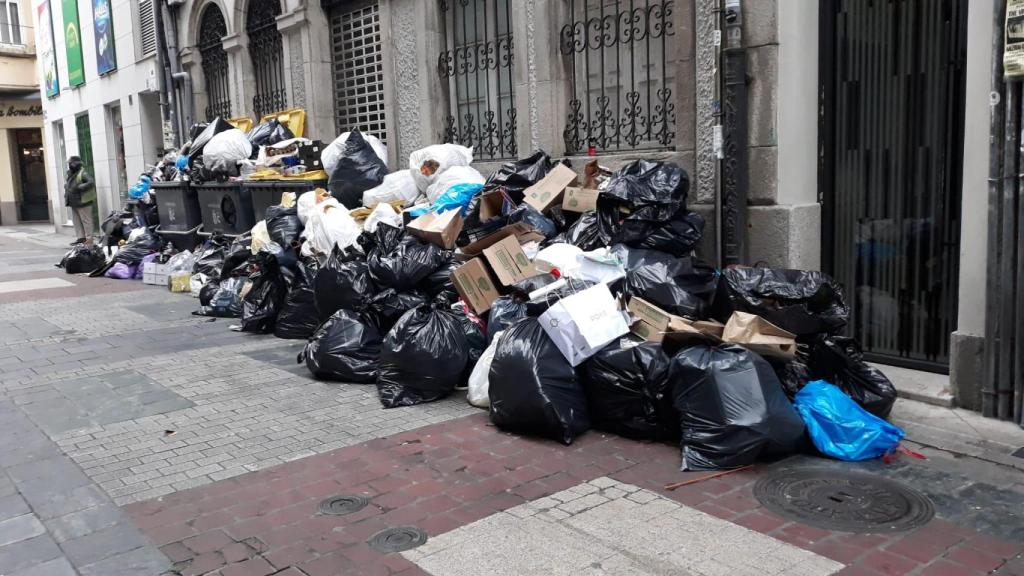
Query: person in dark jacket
{"points": [[79, 195]]}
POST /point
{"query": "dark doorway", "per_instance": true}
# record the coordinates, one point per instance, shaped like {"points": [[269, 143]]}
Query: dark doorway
{"points": [[33, 202], [890, 162]]}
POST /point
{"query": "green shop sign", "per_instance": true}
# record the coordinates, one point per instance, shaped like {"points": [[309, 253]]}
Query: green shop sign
{"points": [[73, 43]]}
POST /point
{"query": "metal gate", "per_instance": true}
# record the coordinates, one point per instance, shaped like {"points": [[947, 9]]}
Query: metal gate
{"points": [[358, 68], [890, 149]]}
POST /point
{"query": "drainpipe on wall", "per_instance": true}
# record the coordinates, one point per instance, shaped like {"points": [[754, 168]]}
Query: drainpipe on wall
{"points": [[185, 98], [167, 96], [735, 180]]}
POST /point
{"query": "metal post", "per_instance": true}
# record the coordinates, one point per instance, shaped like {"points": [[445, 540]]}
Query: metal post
{"points": [[734, 168], [171, 110]]}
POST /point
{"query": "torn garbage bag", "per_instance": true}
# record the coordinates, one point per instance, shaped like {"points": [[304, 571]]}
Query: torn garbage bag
{"points": [[626, 384], [299, 318], [83, 258], [342, 282], [343, 349], [840, 428], [840, 361], [422, 358], [682, 286], [732, 408], [798, 301], [357, 170], [532, 387], [263, 302], [386, 307]]}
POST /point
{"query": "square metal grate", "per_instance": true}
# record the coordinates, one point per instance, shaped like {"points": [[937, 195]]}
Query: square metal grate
{"points": [[358, 70]]}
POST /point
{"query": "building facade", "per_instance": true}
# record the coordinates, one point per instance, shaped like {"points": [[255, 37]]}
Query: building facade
{"points": [[837, 135], [22, 177]]}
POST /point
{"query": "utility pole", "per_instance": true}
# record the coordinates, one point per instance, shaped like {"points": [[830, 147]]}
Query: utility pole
{"points": [[735, 180]]}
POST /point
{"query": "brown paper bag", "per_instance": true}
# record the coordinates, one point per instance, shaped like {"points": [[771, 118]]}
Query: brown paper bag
{"points": [[759, 335]]}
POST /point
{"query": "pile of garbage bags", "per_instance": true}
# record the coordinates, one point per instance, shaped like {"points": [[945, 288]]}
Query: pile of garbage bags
{"points": [[560, 303]]}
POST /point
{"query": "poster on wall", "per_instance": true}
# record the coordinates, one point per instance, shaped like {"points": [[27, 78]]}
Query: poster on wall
{"points": [[73, 43], [103, 28], [1013, 52], [47, 57]]}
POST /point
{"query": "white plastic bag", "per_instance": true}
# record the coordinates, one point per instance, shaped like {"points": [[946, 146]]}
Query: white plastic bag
{"points": [[581, 324], [260, 236], [197, 282], [450, 177], [333, 151], [396, 186], [477, 394], [563, 256], [305, 205], [382, 213], [445, 155], [599, 265], [223, 152], [181, 263], [329, 224]]}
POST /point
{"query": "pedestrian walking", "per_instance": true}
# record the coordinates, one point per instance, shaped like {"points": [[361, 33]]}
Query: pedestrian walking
{"points": [[79, 195]]}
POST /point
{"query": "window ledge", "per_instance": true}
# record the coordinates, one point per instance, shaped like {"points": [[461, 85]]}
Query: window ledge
{"points": [[17, 50]]}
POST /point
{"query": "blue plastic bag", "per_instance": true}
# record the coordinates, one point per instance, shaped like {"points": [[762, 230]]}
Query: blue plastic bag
{"points": [[140, 188], [456, 196], [840, 428]]}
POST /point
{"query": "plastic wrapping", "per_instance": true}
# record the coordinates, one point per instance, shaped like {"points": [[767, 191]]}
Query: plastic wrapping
{"points": [[357, 170], [342, 282], [840, 361], [841, 429], [732, 408], [798, 301], [476, 339], [626, 384], [283, 225], [387, 306], [683, 286], [406, 264], [83, 258], [343, 349], [423, 357], [299, 318]]}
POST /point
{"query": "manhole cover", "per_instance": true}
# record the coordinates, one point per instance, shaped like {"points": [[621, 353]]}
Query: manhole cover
{"points": [[397, 539], [341, 505], [843, 501]]}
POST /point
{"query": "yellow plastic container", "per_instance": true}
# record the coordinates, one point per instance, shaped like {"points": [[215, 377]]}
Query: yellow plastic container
{"points": [[243, 123], [293, 118]]}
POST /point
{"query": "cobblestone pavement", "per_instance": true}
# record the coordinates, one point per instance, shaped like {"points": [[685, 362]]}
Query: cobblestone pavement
{"points": [[143, 440]]}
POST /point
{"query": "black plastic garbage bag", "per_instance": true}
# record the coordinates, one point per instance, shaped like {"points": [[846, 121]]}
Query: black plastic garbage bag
{"points": [[210, 257], [519, 175], [283, 225], [207, 292], [263, 302], [83, 258], [626, 384], [642, 190], [505, 311], [143, 245], [342, 282], [423, 357], [529, 215], [684, 286], [199, 142], [732, 408], [405, 266], [439, 283], [385, 308], [532, 387], [358, 169], [225, 301], [679, 236], [584, 233], [792, 373], [476, 339], [269, 133], [237, 257], [839, 360], [344, 349], [299, 317], [803, 302]]}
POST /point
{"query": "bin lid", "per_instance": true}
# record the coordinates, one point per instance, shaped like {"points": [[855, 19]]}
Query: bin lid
{"points": [[294, 118], [243, 123]]}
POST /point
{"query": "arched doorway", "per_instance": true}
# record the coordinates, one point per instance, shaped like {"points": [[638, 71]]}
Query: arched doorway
{"points": [[212, 29], [267, 56]]}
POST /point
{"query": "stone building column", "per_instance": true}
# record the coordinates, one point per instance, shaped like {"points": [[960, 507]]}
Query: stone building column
{"points": [[306, 52]]}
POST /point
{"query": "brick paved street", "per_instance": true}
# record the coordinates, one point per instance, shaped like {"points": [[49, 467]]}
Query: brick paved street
{"points": [[141, 440]]}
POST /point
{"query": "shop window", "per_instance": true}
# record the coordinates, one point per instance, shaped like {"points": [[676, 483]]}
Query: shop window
{"points": [[621, 60], [267, 54], [212, 30], [477, 69], [10, 23]]}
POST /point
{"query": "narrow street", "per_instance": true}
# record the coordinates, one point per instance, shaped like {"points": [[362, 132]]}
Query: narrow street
{"points": [[144, 440]]}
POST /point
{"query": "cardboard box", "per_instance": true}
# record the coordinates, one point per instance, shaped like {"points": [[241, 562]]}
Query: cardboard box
{"points": [[439, 229], [548, 191], [579, 199], [761, 336], [154, 274], [657, 325], [523, 232], [492, 204], [475, 284], [509, 262]]}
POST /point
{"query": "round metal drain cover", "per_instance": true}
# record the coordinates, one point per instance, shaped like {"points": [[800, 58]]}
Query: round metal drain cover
{"points": [[843, 501], [397, 539], [341, 505]]}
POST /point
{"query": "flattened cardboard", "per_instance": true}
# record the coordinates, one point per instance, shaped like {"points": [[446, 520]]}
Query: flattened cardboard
{"points": [[509, 262], [474, 283], [548, 191], [579, 199], [656, 325], [761, 336], [649, 313], [524, 232], [438, 229]]}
